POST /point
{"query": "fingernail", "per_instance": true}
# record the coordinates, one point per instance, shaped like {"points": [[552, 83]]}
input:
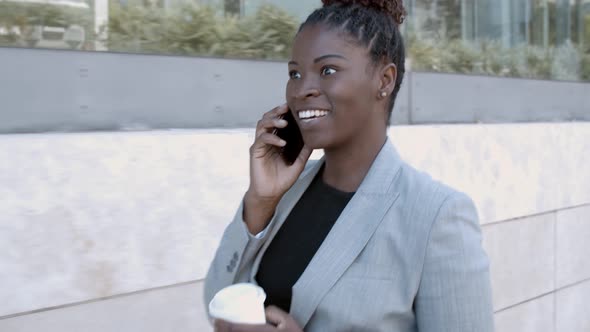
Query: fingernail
{"points": [[283, 143], [282, 122]]}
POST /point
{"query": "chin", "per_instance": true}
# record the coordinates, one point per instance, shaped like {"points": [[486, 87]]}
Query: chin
{"points": [[317, 141]]}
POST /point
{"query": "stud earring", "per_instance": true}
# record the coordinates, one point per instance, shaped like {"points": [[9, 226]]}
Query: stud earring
{"points": [[383, 94]]}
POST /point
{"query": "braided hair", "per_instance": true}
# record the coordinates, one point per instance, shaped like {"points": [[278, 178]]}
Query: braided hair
{"points": [[373, 24]]}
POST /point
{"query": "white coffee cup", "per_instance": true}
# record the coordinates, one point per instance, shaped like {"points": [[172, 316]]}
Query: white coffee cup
{"points": [[239, 303]]}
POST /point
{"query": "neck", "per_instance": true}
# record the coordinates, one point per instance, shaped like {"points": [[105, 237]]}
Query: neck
{"points": [[347, 165]]}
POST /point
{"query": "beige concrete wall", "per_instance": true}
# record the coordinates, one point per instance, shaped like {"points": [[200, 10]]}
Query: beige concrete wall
{"points": [[107, 230], [170, 309], [540, 271]]}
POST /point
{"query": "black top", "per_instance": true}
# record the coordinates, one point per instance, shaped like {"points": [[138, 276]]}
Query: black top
{"points": [[298, 239]]}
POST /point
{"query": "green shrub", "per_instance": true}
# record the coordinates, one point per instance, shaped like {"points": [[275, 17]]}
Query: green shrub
{"points": [[266, 35], [134, 29], [539, 62], [585, 67], [458, 57], [186, 30], [491, 58], [191, 29], [423, 54]]}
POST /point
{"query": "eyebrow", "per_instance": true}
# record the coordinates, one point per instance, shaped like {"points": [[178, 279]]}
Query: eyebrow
{"points": [[316, 60]]}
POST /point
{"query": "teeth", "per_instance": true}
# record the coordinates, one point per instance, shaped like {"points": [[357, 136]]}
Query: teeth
{"points": [[312, 114]]}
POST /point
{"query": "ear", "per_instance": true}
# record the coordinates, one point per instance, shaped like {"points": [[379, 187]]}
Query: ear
{"points": [[387, 78]]}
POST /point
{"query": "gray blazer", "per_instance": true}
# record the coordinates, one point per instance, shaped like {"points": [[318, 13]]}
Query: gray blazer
{"points": [[404, 255]]}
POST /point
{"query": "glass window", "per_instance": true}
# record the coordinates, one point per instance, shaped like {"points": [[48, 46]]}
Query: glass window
{"points": [[46, 23], [232, 28], [547, 39]]}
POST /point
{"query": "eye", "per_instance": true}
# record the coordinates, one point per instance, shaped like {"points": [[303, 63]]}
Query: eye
{"points": [[293, 74], [328, 71]]}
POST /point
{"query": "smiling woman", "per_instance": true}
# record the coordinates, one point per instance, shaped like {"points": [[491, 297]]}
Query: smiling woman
{"points": [[358, 241]]}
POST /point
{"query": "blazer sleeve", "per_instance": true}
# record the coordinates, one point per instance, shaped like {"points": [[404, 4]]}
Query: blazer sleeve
{"points": [[233, 259], [455, 289]]}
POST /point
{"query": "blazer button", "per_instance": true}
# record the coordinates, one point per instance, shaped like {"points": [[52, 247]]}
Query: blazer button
{"points": [[230, 269], [236, 255]]}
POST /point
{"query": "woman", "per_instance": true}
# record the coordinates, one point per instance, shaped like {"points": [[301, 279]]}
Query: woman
{"points": [[358, 241]]}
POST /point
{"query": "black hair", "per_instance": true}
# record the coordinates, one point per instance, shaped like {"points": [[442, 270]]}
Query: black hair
{"points": [[373, 24]]}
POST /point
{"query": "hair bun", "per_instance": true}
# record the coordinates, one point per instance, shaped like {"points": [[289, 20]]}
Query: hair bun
{"points": [[395, 8]]}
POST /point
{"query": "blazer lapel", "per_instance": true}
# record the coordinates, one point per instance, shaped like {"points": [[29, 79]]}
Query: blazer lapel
{"points": [[355, 226]]}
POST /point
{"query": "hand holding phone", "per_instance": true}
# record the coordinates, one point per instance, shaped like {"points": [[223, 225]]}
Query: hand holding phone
{"points": [[274, 165]]}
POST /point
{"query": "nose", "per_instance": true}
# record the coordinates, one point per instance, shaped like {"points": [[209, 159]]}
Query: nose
{"points": [[307, 89], [314, 92]]}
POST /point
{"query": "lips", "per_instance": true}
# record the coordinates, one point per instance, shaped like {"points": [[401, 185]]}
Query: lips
{"points": [[312, 113]]}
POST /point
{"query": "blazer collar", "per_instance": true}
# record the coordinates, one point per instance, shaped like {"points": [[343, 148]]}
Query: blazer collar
{"points": [[381, 175], [355, 226], [379, 179]]}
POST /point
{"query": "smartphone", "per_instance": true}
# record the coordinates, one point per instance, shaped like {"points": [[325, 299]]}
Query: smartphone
{"points": [[292, 135]]}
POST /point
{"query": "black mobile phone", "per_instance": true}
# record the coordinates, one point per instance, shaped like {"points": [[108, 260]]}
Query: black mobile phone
{"points": [[292, 135]]}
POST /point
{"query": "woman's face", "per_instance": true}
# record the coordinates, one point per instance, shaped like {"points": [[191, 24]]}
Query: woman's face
{"points": [[332, 89]]}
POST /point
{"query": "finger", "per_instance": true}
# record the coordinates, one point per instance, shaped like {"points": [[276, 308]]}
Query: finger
{"points": [[277, 111], [283, 320], [252, 328], [268, 125], [221, 326], [267, 144], [276, 316], [271, 139]]}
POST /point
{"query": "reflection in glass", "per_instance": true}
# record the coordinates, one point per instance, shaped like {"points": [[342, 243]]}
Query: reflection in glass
{"points": [[546, 39], [46, 23]]}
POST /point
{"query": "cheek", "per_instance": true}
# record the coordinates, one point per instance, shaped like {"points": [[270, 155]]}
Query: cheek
{"points": [[351, 96], [288, 92]]}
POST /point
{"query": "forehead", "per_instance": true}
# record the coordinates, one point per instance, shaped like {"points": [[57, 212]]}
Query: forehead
{"points": [[317, 40]]}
